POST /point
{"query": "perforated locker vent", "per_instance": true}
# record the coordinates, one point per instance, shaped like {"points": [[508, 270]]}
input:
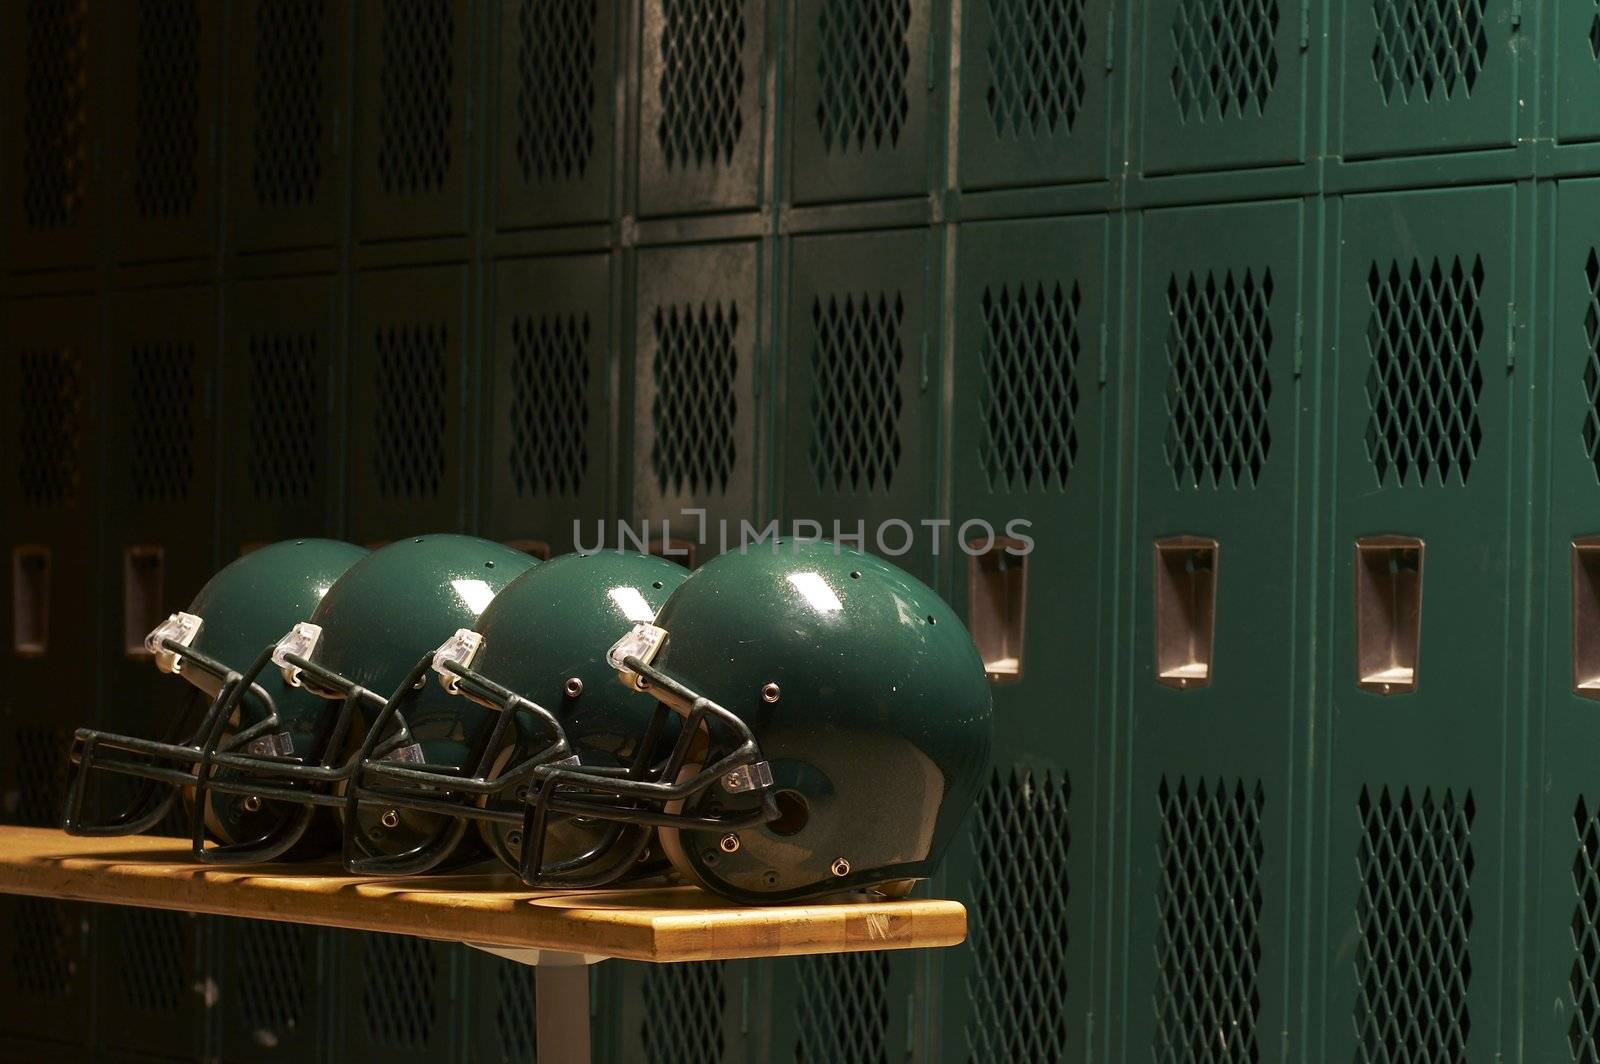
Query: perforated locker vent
{"points": [[290, 51], [1036, 66], [415, 109], [864, 72], [1424, 334], [41, 777], [514, 1010], [399, 989], [50, 404], [702, 79], [555, 88], [160, 410], [843, 1009], [1219, 343], [42, 958], [150, 947], [285, 415], [166, 157], [1020, 888], [1208, 947], [1591, 362], [408, 417], [549, 373], [1028, 399], [55, 124], [683, 1010], [274, 981], [1428, 48], [1414, 913], [856, 355], [695, 408], [1583, 1033], [1225, 61]]}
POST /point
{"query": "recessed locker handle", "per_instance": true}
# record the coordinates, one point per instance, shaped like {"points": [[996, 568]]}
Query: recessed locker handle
{"points": [[30, 601], [143, 591], [997, 605], [1586, 617], [1186, 610], [1388, 578]]}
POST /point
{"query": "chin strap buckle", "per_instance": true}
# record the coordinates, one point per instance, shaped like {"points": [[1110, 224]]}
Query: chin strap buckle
{"points": [[643, 642], [755, 777], [300, 641], [180, 628], [460, 649]]}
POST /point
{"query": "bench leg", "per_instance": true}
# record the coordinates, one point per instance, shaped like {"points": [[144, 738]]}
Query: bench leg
{"points": [[561, 1013]]}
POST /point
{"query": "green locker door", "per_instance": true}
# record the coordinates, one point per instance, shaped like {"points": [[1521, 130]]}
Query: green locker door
{"points": [[848, 1008], [413, 60], [697, 1012], [165, 60], [399, 999], [271, 992], [1217, 669], [555, 105], [48, 377], [1224, 84], [702, 117], [1035, 92], [159, 543], [1414, 874], [288, 149], [860, 118], [547, 455], [1032, 437], [1418, 76], [1564, 967], [859, 423], [50, 115], [697, 330], [277, 386], [1575, 86], [407, 377], [500, 1026]]}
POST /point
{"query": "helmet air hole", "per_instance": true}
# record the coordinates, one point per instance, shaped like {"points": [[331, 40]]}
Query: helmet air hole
{"points": [[856, 575], [793, 813], [931, 620], [488, 565], [656, 585]]}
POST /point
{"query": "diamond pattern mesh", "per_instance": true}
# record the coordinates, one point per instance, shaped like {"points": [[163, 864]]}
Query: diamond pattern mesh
{"points": [[274, 978], [290, 51], [41, 777], [41, 956], [161, 415], [549, 403], [1424, 334], [683, 1008], [151, 946], [864, 73], [1591, 363], [1036, 62], [1414, 913], [1225, 57], [50, 403], [856, 356], [1428, 48], [166, 174], [1219, 342], [1020, 888], [1583, 1033], [415, 109], [55, 124], [843, 1009], [1208, 949], [514, 1011], [695, 407], [408, 417], [702, 78], [285, 415], [1028, 397], [555, 88], [399, 990]]}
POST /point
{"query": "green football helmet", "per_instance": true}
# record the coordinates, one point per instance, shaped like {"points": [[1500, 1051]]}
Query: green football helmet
{"points": [[365, 649], [231, 625], [537, 658], [835, 727]]}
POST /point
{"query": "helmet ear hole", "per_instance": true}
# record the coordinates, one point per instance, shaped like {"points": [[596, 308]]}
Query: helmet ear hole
{"points": [[793, 814]]}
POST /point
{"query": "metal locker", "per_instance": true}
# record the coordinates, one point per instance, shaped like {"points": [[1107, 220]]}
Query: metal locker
{"points": [[400, 999], [500, 1027], [685, 1013], [1571, 80]]}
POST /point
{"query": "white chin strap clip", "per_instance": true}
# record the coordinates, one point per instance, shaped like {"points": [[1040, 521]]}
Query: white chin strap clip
{"points": [[301, 641], [643, 642], [180, 628], [459, 649]]}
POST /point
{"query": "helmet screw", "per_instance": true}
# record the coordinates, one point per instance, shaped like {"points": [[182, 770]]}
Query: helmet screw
{"points": [[574, 687], [770, 878], [522, 794], [514, 839], [390, 818], [729, 843], [840, 867], [769, 692], [252, 804]]}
